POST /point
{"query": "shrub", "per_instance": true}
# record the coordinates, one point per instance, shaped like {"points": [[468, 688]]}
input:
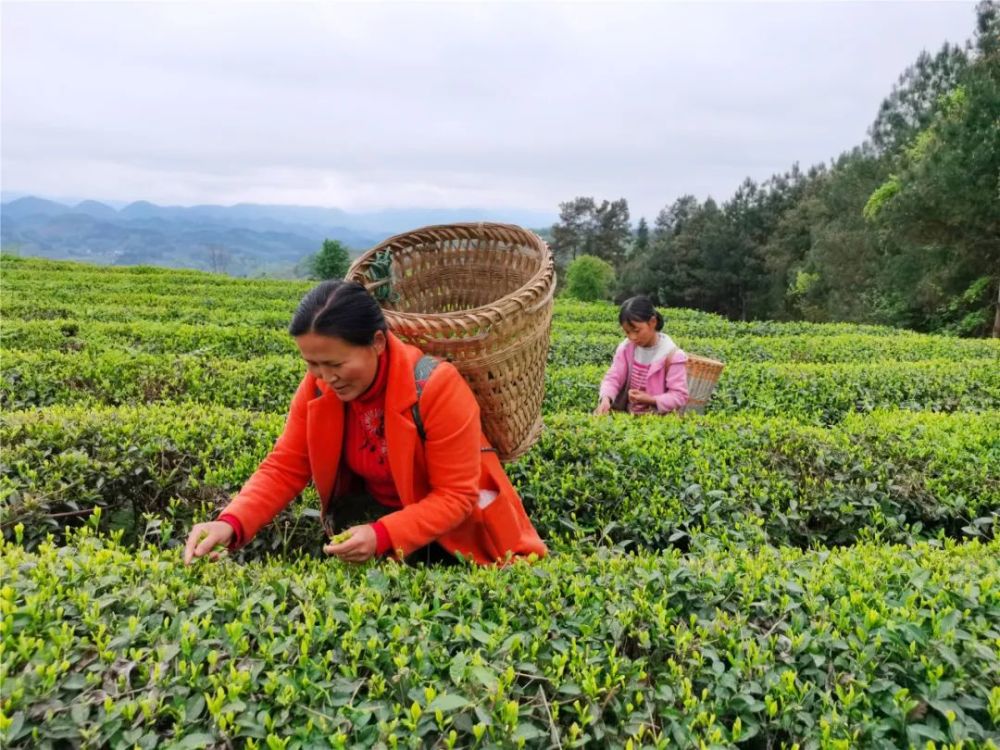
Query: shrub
{"points": [[870, 646], [618, 481], [589, 278]]}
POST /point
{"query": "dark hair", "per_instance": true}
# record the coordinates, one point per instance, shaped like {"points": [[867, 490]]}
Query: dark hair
{"points": [[639, 310], [338, 308]]}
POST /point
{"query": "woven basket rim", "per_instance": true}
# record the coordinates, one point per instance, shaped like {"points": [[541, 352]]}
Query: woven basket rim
{"points": [[537, 287], [691, 356]]}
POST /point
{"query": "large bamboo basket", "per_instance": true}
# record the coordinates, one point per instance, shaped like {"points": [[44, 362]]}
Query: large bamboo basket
{"points": [[479, 295], [702, 377]]}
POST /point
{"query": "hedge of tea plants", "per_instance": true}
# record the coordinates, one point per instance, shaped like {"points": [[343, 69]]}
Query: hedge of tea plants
{"points": [[817, 393], [813, 563], [869, 646], [568, 349], [758, 480]]}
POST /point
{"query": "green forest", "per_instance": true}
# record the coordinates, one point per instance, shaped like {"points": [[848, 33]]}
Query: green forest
{"points": [[901, 230]]}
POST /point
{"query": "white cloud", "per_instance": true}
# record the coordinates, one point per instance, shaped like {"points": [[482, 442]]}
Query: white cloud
{"points": [[506, 105]]}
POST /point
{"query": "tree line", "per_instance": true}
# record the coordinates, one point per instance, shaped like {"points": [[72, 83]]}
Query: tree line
{"points": [[903, 230]]}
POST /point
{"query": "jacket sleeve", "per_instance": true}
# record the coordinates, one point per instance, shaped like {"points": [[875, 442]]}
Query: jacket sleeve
{"points": [[281, 476], [614, 378], [452, 450], [675, 394]]}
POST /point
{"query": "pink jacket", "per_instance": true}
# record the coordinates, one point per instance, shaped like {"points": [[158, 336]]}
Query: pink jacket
{"points": [[670, 390]]}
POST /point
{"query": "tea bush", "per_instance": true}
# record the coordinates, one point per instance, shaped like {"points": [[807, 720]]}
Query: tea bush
{"points": [[612, 481], [567, 349], [812, 564], [872, 646], [820, 394]]}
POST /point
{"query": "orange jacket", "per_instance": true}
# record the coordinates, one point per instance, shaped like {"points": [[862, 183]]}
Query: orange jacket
{"points": [[438, 483]]}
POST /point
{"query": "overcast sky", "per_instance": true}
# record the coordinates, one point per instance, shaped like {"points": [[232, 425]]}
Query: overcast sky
{"points": [[511, 105]]}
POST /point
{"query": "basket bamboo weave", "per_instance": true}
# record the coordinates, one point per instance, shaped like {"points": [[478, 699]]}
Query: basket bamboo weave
{"points": [[479, 295], [702, 376]]}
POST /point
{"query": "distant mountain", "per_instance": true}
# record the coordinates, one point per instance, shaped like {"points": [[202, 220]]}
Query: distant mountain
{"points": [[145, 210], [380, 223], [30, 206], [245, 239], [95, 209]]}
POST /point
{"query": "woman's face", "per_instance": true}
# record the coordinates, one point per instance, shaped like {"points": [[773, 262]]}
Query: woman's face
{"points": [[643, 333], [348, 369]]}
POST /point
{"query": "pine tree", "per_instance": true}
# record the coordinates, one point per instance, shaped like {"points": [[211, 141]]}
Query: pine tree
{"points": [[640, 245], [332, 262], [612, 232], [573, 234]]}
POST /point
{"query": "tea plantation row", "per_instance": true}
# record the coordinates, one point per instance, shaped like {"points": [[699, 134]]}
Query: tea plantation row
{"points": [[812, 564], [817, 393], [568, 347], [872, 646], [747, 479]]}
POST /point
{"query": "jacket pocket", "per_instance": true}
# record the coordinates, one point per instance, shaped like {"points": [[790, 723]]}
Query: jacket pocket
{"points": [[503, 527]]}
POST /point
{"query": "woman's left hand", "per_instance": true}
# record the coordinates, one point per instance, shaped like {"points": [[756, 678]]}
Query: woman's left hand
{"points": [[640, 397], [357, 548]]}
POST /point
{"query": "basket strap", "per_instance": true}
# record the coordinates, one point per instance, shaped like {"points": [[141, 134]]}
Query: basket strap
{"points": [[421, 374]]}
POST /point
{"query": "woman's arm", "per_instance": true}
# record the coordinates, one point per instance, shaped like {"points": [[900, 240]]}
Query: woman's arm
{"points": [[281, 476], [451, 420]]}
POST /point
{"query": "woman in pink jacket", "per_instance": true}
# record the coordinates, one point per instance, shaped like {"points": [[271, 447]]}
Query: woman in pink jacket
{"points": [[648, 374]]}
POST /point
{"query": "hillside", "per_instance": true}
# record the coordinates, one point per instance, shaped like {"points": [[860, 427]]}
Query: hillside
{"points": [[240, 240], [813, 562]]}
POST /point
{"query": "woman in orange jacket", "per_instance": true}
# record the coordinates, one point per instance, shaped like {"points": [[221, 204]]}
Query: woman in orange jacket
{"points": [[392, 441]]}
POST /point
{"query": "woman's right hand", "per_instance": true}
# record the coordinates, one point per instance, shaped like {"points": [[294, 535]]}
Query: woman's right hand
{"points": [[603, 407], [204, 538]]}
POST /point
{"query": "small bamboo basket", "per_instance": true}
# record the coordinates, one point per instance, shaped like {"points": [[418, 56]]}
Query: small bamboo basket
{"points": [[702, 377], [480, 296]]}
